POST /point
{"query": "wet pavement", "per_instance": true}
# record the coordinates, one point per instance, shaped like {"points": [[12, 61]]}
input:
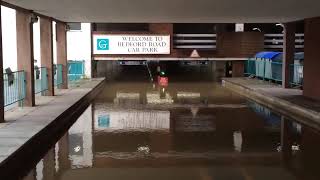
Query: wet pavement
{"points": [[195, 130]]}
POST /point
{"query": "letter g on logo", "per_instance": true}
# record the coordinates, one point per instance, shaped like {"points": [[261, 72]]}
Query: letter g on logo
{"points": [[103, 44]]}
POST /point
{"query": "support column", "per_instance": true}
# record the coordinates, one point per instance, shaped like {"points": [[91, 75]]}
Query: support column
{"points": [[1, 75], [49, 165], [220, 29], [311, 80], [62, 52], [288, 52], [286, 141], [25, 53], [63, 155], [46, 49], [31, 175]]}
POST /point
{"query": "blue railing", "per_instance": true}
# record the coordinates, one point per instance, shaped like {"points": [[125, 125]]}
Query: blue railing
{"points": [[14, 87], [58, 74], [270, 70], [75, 70], [40, 79]]}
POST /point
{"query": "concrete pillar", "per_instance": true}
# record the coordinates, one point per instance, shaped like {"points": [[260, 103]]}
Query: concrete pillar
{"points": [[311, 80], [62, 52], [25, 53], [286, 141], [288, 52], [31, 175], [220, 29], [218, 70], [46, 49], [63, 155], [1, 76], [49, 165]]}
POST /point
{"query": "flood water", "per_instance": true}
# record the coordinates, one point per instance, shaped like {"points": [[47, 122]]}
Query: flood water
{"points": [[188, 130]]}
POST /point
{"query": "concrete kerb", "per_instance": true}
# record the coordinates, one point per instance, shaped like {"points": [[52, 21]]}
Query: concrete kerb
{"points": [[43, 139], [279, 105]]}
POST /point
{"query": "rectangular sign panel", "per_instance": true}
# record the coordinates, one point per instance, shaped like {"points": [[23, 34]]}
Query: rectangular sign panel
{"points": [[131, 44]]}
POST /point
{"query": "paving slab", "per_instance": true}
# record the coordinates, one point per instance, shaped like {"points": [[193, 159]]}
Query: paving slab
{"points": [[23, 123]]}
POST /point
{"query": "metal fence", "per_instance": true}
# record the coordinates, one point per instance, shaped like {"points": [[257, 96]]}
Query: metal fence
{"points": [[40, 79], [14, 87], [270, 70], [296, 74], [75, 70], [58, 74]]}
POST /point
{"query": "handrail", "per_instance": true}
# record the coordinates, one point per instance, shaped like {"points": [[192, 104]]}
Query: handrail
{"points": [[13, 72], [40, 80], [14, 87]]}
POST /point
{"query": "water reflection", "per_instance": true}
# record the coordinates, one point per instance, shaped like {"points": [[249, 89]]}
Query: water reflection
{"points": [[121, 137], [111, 119]]}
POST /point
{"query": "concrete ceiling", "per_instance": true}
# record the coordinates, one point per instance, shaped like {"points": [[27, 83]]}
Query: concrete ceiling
{"points": [[175, 11]]}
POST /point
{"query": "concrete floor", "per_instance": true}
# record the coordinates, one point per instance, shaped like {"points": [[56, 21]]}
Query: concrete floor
{"points": [[289, 102], [24, 123]]}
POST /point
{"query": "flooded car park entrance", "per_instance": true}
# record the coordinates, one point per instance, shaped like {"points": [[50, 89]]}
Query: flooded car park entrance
{"points": [[191, 130], [169, 94]]}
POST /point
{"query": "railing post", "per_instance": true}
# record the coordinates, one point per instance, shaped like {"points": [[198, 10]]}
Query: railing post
{"points": [[43, 80], [264, 68], [22, 85]]}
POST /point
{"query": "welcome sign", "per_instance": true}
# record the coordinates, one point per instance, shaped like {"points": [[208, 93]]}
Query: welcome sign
{"points": [[131, 44]]}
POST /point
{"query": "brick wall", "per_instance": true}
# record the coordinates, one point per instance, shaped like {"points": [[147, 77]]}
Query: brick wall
{"points": [[229, 44], [158, 28], [311, 79], [240, 44]]}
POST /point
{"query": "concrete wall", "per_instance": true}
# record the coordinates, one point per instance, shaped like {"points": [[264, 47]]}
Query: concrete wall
{"points": [[311, 80]]}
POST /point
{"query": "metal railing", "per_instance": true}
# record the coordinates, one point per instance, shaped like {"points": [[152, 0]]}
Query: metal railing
{"points": [[194, 41], [296, 75], [76, 70], [40, 79], [275, 41], [269, 70], [14, 86], [58, 68]]}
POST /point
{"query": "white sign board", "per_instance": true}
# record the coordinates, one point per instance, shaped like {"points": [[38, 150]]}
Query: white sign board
{"points": [[239, 27], [131, 44]]}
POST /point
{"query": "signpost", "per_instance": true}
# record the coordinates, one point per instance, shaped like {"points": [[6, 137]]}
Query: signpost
{"points": [[131, 44]]}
